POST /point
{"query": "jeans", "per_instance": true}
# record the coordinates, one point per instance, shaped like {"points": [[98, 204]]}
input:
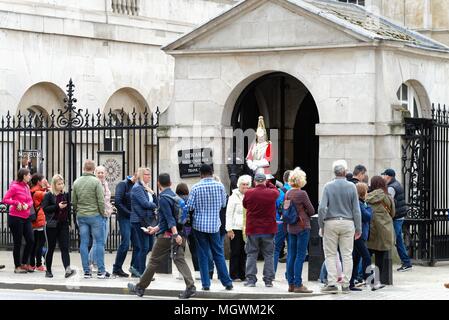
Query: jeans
{"points": [[297, 250], [92, 258], [400, 243], [360, 253], [279, 240], [265, 245], [143, 245], [125, 235], [92, 225], [21, 228], [211, 242], [36, 250]]}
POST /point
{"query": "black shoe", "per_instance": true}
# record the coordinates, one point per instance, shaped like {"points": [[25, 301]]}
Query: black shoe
{"points": [[229, 287], [2, 266], [48, 274], [354, 288], [135, 290], [87, 275], [121, 274], [404, 268], [69, 272], [103, 275], [189, 292], [268, 284], [205, 288]]}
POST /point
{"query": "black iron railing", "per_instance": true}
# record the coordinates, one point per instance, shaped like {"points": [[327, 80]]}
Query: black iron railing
{"points": [[60, 141], [426, 180]]}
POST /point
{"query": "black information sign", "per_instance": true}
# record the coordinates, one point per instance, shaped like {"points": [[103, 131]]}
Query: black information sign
{"points": [[191, 160]]}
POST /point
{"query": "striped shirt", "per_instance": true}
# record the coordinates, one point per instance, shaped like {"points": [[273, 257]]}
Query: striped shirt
{"points": [[206, 200]]}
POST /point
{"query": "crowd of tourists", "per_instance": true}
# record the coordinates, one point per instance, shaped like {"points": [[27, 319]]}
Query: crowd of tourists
{"points": [[356, 221]]}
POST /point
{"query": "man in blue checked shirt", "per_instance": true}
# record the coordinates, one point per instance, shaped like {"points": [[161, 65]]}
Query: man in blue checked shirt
{"points": [[206, 199]]}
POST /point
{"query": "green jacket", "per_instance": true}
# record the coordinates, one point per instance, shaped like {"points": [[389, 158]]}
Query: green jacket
{"points": [[88, 196], [381, 234]]}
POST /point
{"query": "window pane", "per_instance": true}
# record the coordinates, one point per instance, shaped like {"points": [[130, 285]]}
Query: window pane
{"points": [[415, 109], [404, 92]]}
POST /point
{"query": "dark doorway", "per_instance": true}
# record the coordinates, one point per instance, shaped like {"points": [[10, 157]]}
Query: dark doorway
{"points": [[287, 106], [307, 145]]}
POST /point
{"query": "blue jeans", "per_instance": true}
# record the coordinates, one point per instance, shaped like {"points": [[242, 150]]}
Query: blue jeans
{"points": [[211, 242], [92, 226], [279, 240], [92, 258], [297, 250], [400, 243], [126, 236], [143, 245]]}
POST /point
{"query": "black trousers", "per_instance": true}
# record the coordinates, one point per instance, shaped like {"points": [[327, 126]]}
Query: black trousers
{"points": [[237, 263], [59, 234], [36, 250], [192, 247], [21, 228], [379, 260]]}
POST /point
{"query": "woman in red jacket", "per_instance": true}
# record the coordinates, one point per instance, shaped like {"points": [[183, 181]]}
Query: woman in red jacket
{"points": [[39, 186], [18, 197]]}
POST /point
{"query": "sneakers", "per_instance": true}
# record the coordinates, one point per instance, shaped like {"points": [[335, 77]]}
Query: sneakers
{"points": [[103, 275], [69, 272], [377, 287], [302, 289], [268, 284], [189, 292], [87, 275], [28, 268], [41, 269], [404, 268], [20, 269], [134, 272], [345, 289], [249, 284], [48, 274], [120, 273], [133, 289], [329, 289], [354, 288], [229, 287]]}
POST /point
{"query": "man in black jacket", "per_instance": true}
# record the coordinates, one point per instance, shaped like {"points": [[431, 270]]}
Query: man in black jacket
{"points": [[396, 191], [123, 205]]}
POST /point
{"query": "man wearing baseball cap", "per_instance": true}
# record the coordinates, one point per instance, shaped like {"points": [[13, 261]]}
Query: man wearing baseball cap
{"points": [[396, 191], [261, 226]]}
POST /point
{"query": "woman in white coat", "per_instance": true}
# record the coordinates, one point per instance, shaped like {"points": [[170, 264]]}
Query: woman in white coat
{"points": [[234, 228]]}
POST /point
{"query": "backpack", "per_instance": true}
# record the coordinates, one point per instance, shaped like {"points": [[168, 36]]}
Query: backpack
{"points": [[180, 210], [281, 204], [289, 213]]}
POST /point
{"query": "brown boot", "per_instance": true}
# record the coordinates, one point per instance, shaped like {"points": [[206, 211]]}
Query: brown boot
{"points": [[446, 285], [291, 288], [302, 289]]}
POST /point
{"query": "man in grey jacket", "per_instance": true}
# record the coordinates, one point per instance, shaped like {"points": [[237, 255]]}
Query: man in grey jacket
{"points": [[339, 218]]}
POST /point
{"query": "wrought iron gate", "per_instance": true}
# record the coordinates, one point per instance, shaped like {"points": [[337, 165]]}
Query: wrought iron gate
{"points": [[59, 142], [425, 169]]}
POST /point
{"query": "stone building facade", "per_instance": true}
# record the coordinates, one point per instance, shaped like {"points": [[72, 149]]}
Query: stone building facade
{"points": [[352, 74]]}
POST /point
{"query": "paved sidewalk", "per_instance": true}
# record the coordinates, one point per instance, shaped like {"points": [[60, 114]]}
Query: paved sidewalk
{"points": [[423, 283]]}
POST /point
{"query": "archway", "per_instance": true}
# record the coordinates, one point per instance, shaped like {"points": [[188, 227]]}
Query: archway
{"points": [[291, 114]]}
